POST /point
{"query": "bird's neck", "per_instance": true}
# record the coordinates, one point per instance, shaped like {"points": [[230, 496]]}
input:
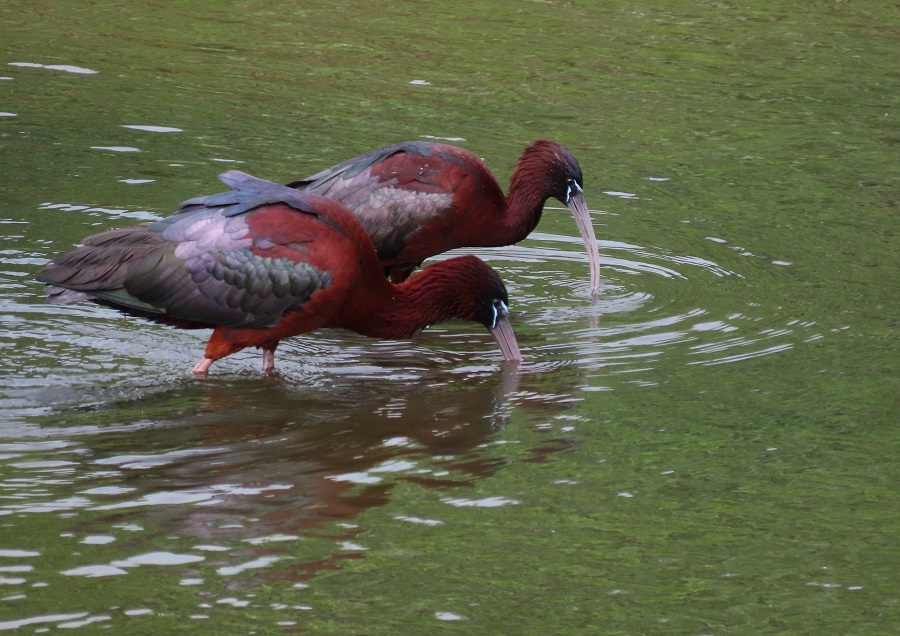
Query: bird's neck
{"points": [[525, 200], [398, 311]]}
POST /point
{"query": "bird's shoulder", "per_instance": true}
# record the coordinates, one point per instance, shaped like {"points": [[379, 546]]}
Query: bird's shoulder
{"points": [[247, 256]]}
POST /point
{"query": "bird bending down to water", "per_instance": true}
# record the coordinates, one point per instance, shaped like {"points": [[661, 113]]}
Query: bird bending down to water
{"points": [[264, 262], [417, 199]]}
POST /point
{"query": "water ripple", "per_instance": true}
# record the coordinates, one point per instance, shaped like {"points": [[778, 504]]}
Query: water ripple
{"points": [[651, 312]]}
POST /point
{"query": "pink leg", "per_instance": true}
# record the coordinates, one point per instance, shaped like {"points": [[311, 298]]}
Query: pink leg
{"points": [[268, 359], [201, 367]]}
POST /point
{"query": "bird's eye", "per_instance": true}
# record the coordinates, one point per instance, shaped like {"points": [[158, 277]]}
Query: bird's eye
{"points": [[500, 311], [572, 186]]}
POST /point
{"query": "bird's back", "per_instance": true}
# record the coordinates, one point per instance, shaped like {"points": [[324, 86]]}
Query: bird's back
{"points": [[242, 258], [414, 198]]}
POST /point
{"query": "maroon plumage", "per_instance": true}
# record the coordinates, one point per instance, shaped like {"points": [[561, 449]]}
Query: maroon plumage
{"points": [[417, 199], [263, 262]]}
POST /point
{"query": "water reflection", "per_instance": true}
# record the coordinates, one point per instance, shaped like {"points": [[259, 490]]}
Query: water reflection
{"points": [[230, 482]]}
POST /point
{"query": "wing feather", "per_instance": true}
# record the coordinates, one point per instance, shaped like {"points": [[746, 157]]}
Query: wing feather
{"points": [[394, 191], [209, 263]]}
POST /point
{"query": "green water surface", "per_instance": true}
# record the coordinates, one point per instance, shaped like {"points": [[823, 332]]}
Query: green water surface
{"points": [[710, 448]]}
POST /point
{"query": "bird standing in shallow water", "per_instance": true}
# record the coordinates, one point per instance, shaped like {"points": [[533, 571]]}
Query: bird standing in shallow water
{"points": [[417, 199], [264, 262]]}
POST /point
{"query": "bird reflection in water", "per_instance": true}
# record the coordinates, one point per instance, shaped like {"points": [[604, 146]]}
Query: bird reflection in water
{"points": [[279, 458]]}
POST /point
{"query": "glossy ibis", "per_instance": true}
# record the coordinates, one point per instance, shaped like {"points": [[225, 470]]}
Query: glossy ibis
{"points": [[263, 262], [418, 198]]}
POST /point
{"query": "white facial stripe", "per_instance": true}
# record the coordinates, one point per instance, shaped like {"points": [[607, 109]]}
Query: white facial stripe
{"points": [[502, 313], [569, 186]]}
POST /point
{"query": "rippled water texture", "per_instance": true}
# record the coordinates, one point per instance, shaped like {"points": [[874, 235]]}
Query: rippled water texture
{"points": [[709, 447]]}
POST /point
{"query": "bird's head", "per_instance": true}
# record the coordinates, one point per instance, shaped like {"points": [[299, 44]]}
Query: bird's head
{"points": [[492, 308], [563, 180], [562, 177], [473, 291]]}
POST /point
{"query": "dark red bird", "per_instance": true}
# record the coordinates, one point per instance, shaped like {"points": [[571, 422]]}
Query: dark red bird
{"points": [[417, 199], [264, 262]]}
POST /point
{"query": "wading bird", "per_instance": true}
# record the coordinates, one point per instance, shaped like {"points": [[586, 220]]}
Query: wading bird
{"points": [[417, 199], [264, 262]]}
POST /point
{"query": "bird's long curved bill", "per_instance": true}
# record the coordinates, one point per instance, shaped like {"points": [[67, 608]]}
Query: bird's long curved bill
{"points": [[503, 334], [579, 210]]}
